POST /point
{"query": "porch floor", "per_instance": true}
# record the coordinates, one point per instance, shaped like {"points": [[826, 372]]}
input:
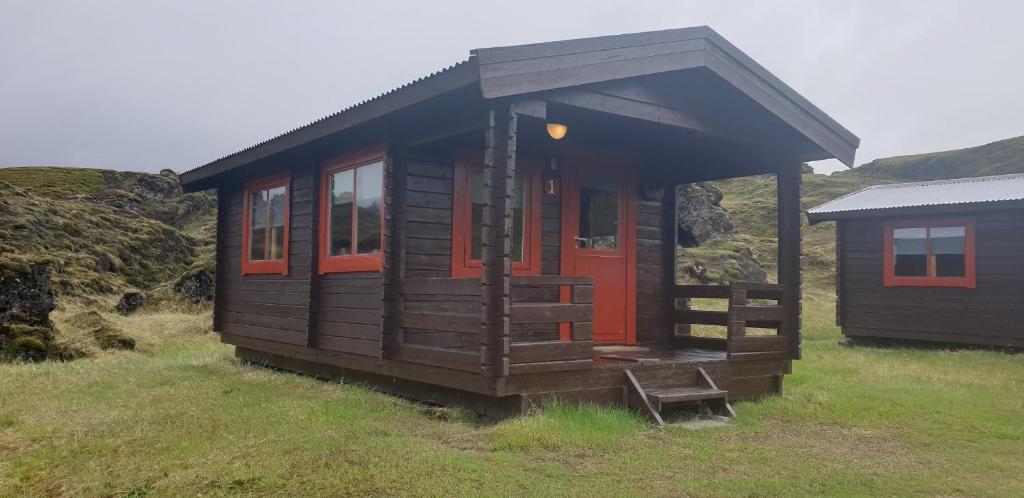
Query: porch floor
{"points": [[631, 356]]}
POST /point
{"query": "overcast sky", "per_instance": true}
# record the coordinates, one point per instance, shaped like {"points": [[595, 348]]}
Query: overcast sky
{"points": [[145, 85]]}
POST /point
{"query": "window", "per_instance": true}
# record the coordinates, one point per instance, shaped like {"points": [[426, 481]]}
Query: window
{"points": [[352, 213], [930, 253], [468, 213], [265, 226], [599, 212]]}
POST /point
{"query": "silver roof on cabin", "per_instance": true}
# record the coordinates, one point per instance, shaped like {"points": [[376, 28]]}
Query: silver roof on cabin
{"points": [[934, 193]]}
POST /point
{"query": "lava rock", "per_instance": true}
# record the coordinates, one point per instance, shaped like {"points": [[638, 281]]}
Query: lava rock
{"points": [[26, 296], [196, 285], [129, 303], [701, 216]]}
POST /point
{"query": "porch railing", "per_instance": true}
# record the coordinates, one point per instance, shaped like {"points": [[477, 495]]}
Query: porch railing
{"points": [[557, 310], [741, 313]]}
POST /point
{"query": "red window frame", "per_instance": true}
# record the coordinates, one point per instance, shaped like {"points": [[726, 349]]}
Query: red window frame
{"points": [[890, 279], [463, 265], [271, 266], [351, 262]]}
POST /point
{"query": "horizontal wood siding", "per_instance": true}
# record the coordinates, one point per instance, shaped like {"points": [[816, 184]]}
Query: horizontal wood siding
{"points": [[990, 314], [350, 313], [653, 274], [267, 307], [428, 226]]}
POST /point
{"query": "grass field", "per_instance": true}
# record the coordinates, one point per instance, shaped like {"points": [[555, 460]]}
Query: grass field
{"points": [[182, 417]]}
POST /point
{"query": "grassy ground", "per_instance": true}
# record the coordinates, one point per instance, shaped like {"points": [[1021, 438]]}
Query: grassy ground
{"points": [[181, 417]]}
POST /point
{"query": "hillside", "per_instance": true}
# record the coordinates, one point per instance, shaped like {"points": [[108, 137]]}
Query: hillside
{"points": [[104, 231], [750, 201]]}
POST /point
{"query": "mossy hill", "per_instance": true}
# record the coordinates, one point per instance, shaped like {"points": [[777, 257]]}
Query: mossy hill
{"points": [[103, 231], [750, 201]]}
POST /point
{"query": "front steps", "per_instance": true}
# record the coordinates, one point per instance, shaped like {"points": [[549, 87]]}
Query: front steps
{"points": [[654, 400]]}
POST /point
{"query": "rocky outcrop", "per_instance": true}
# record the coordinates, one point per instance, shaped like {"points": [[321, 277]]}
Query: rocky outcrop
{"points": [[710, 250], [701, 216], [26, 300]]}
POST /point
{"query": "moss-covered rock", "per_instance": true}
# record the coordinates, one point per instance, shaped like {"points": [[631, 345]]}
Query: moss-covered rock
{"points": [[105, 231], [107, 335]]}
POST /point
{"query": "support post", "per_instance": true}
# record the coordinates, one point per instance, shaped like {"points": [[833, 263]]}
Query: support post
{"points": [[496, 254], [670, 246], [790, 277]]}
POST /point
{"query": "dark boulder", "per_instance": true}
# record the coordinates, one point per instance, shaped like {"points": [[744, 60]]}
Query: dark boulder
{"points": [[701, 216], [129, 303], [197, 284]]}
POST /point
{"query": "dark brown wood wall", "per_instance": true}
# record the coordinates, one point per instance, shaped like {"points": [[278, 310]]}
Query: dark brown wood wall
{"points": [[990, 314], [655, 256], [267, 307]]}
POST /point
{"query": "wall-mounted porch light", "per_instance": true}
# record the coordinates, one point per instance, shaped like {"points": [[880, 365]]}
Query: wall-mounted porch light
{"points": [[557, 131]]}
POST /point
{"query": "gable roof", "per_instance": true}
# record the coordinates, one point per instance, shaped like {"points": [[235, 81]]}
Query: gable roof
{"points": [[894, 197], [514, 70]]}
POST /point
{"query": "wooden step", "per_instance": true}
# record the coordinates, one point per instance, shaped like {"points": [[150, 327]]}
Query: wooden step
{"points": [[651, 400], [669, 395]]}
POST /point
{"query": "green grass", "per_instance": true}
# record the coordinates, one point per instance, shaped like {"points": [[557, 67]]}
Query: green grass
{"points": [[55, 181], [180, 416]]}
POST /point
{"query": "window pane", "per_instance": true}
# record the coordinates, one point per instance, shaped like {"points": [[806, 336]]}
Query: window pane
{"points": [[518, 226], [910, 252], [477, 216], [948, 245], [257, 225], [278, 199], [599, 212], [341, 213], [369, 189]]}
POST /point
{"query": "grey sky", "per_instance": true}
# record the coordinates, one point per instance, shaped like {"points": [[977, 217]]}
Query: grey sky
{"points": [[144, 85]]}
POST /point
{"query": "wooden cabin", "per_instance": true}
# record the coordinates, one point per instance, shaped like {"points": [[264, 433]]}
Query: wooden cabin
{"points": [[502, 232], [939, 261]]}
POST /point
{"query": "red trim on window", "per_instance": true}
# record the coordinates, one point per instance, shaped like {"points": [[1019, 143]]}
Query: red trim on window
{"points": [[352, 262], [274, 266], [463, 264], [889, 271]]}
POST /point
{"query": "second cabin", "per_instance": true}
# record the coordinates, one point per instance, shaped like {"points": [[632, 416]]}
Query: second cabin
{"points": [[503, 232]]}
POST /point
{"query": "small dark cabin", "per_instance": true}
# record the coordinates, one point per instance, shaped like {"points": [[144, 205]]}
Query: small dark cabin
{"points": [[502, 232], [939, 261]]}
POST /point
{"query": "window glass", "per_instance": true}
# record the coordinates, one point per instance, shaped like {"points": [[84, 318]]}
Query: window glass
{"points": [[275, 242], [599, 212], [948, 244], [477, 216], [910, 251], [257, 225], [341, 213], [369, 189]]}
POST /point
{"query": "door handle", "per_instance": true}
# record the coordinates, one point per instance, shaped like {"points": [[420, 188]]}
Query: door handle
{"points": [[584, 240]]}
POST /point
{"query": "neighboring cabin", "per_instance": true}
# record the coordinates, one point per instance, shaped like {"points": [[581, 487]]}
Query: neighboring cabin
{"points": [[503, 232], [939, 261]]}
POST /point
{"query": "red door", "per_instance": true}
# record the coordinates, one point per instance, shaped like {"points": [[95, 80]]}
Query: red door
{"points": [[598, 241]]}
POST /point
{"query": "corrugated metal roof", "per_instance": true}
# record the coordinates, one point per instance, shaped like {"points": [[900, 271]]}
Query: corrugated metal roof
{"points": [[934, 193], [350, 108]]}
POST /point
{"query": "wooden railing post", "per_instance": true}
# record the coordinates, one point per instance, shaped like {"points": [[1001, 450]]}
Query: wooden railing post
{"points": [[736, 326], [788, 187], [499, 172]]}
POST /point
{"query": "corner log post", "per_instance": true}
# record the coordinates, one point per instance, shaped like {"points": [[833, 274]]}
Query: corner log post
{"points": [[789, 240], [395, 175], [499, 172]]}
